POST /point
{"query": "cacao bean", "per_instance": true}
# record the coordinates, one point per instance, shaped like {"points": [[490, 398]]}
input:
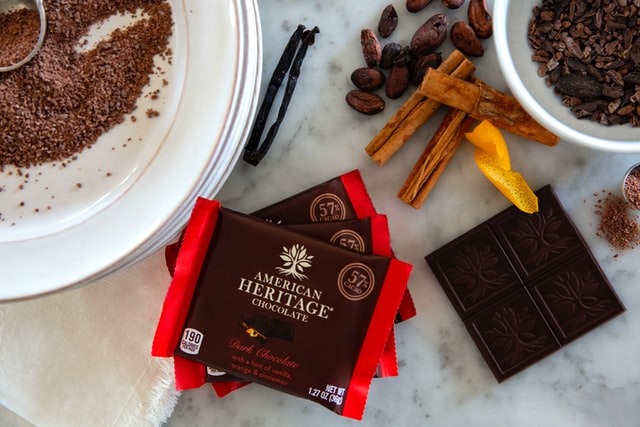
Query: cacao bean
{"points": [[422, 64], [368, 79], [633, 78], [365, 102], [414, 6], [389, 53], [582, 86], [634, 53], [466, 40], [398, 81], [388, 21], [453, 4], [431, 34], [404, 57], [480, 19], [371, 48]]}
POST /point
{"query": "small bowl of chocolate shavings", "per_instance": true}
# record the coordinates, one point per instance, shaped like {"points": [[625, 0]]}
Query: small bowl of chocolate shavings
{"points": [[574, 65]]}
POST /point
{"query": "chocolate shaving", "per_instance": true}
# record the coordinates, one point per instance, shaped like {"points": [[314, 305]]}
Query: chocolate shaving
{"points": [[63, 100], [617, 225]]}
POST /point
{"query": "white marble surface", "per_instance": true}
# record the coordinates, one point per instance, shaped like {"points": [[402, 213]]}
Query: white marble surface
{"points": [[443, 380]]}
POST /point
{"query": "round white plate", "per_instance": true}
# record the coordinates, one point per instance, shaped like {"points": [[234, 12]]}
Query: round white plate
{"points": [[66, 224]]}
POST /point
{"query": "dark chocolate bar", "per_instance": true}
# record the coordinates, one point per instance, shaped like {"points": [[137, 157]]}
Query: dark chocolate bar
{"points": [[524, 285], [269, 304]]}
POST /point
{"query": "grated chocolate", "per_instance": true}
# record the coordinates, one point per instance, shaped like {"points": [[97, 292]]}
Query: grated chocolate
{"points": [[63, 100]]}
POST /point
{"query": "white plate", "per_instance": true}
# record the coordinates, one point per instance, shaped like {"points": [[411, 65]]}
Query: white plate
{"points": [[133, 191]]}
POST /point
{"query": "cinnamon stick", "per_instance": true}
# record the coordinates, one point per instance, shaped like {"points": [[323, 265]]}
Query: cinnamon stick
{"points": [[483, 102], [435, 157], [414, 112]]}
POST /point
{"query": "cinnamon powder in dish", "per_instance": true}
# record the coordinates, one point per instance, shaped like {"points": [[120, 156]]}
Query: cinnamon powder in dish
{"points": [[65, 99]]}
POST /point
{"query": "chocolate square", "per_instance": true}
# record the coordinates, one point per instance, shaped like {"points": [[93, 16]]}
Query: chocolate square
{"points": [[474, 271], [512, 334], [576, 298], [524, 284], [536, 242]]}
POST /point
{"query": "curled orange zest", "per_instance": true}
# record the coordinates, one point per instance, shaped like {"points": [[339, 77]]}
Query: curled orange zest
{"points": [[492, 157]]}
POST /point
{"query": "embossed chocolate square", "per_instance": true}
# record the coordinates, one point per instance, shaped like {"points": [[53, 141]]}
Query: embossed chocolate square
{"points": [[535, 243], [576, 298], [524, 285], [474, 271], [512, 334]]}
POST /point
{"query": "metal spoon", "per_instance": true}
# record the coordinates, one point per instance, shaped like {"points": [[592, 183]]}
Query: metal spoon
{"points": [[6, 6]]}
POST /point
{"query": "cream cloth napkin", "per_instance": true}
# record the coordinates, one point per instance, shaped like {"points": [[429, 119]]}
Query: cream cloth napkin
{"points": [[82, 357]]}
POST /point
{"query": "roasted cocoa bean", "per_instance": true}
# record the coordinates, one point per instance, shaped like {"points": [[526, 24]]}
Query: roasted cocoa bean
{"points": [[422, 64], [371, 49], [431, 34], [365, 102], [404, 57], [634, 53], [388, 21], [633, 78], [389, 53], [414, 6], [453, 4], [480, 19], [465, 39], [398, 81], [583, 86], [367, 78]]}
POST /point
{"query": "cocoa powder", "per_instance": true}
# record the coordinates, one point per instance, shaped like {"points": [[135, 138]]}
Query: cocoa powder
{"points": [[65, 99], [617, 224], [19, 31]]}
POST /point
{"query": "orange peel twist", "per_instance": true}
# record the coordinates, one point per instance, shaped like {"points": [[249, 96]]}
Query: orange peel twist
{"points": [[492, 157]]}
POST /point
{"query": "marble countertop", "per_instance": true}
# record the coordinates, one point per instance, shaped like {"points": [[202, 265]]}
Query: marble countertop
{"points": [[443, 380]]}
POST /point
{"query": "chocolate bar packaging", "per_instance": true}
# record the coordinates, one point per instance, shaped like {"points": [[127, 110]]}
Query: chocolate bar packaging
{"points": [[279, 307], [341, 198], [323, 206], [366, 235], [524, 285], [337, 199]]}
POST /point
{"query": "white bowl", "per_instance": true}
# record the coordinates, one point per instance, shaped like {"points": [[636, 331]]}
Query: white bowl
{"points": [[510, 27]]}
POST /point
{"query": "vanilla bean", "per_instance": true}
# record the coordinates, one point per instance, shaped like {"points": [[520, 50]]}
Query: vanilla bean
{"points": [[254, 152]]}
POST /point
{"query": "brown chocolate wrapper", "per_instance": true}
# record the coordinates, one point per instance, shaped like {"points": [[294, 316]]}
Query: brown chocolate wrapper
{"points": [[366, 235], [270, 305], [338, 199], [341, 198], [344, 197]]}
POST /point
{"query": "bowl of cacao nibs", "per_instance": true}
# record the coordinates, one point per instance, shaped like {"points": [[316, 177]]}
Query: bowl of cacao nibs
{"points": [[574, 65]]}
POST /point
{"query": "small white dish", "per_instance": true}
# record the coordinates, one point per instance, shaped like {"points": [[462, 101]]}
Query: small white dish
{"points": [[631, 201]]}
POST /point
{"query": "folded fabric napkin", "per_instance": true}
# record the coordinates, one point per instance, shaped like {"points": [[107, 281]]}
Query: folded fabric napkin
{"points": [[82, 357]]}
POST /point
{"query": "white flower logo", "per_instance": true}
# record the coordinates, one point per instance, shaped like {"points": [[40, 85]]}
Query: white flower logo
{"points": [[295, 260]]}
